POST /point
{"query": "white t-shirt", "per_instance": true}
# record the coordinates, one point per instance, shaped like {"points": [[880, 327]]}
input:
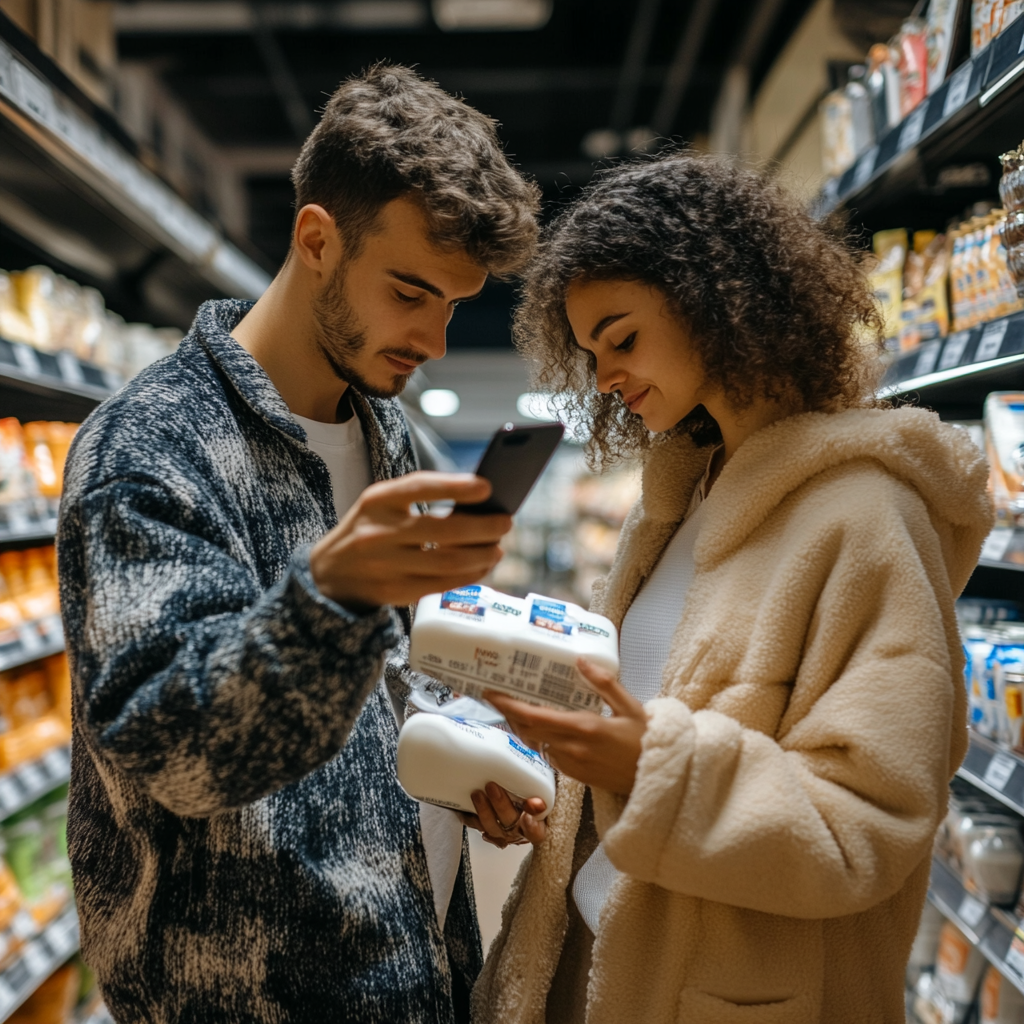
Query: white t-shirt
{"points": [[342, 446], [644, 643]]}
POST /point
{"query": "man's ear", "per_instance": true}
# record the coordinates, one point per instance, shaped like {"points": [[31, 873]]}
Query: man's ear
{"points": [[316, 240]]}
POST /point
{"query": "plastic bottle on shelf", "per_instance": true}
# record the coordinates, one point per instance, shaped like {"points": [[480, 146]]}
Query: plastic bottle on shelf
{"points": [[860, 109], [883, 85]]}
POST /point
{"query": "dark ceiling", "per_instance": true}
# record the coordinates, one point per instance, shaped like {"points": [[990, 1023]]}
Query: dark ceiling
{"points": [[596, 64]]}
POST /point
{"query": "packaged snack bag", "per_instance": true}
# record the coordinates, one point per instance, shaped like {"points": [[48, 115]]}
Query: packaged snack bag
{"points": [[933, 305], [16, 480], [54, 1000], [58, 675], [941, 23], [1001, 1003], [959, 965], [24, 695], [838, 142], [36, 289], [912, 46], [981, 25], [14, 325], [890, 248], [32, 740]]}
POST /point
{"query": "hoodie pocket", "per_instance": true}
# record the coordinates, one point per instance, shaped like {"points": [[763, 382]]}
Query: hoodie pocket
{"points": [[695, 1006]]}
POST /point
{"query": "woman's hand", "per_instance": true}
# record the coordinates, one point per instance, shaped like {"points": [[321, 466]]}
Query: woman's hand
{"points": [[501, 822], [596, 750]]}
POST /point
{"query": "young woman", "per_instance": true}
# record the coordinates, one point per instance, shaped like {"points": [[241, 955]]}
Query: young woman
{"points": [[746, 839]]}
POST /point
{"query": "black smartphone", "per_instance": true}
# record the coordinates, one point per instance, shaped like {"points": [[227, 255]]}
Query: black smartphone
{"points": [[514, 460]]}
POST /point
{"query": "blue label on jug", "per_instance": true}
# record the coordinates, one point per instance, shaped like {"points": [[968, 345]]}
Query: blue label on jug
{"points": [[465, 600], [551, 615]]}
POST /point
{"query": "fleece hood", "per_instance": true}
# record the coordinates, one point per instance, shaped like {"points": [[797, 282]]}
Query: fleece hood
{"points": [[939, 461]]}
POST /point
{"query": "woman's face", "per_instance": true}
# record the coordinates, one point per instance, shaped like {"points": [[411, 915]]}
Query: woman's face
{"points": [[642, 350]]}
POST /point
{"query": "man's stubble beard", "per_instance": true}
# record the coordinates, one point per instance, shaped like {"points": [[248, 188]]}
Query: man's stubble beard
{"points": [[340, 337]]}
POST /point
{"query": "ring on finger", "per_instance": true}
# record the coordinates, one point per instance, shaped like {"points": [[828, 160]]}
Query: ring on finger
{"points": [[508, 828]]}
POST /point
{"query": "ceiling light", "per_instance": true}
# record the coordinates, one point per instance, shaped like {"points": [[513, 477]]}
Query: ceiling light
{"points": [[491, 15], [439, 402], [536, 405], [601, 143]]}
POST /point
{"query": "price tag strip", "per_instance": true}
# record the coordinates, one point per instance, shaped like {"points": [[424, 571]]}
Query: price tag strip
{"points": [[910, 133], [971, 911], [1014, 960], [996, 544], [23, 785], [954, 350], [958, 86], [998, 772], [991, 340]]}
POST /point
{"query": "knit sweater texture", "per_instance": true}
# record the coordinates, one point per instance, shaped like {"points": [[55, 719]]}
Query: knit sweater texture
{"points": [[775, 848], [242, 851]]}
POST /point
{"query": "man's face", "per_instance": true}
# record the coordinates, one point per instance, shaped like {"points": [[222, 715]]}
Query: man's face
{"points": [[385, 312]]}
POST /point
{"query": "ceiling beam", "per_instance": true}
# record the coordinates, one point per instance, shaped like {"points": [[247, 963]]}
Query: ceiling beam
{"points": [[632, 73], [287, 89], [198, 17], [684, 62]]}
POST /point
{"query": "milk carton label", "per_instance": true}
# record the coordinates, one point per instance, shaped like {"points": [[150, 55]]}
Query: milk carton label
{"points": [[475, 639], [464, 601]]}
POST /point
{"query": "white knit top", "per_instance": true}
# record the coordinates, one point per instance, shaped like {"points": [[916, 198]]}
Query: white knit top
{"points": [[644, 642]]}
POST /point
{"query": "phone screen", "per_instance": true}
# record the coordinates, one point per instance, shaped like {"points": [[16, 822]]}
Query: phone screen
{"points": [[514, 459]]}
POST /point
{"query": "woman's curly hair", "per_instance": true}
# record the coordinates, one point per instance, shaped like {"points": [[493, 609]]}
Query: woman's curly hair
{"points": [[775, 305]]}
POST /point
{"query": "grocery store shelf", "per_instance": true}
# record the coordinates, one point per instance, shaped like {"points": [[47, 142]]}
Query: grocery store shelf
{"points": [[994, 771], [957, 372], [27, 783], [1004, 549], [973, 114], [70, 185], [35, 640], [23, 522], [37, 960], [991, 929]]}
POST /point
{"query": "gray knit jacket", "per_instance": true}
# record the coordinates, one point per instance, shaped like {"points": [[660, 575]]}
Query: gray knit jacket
{"points": [[242, 850]]}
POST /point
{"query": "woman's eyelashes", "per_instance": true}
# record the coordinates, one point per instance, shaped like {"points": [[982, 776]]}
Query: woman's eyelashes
{"points": [[626, 344]]}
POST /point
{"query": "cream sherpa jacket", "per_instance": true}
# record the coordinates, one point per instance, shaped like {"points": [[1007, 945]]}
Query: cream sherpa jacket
{"points": [[776, 844]]}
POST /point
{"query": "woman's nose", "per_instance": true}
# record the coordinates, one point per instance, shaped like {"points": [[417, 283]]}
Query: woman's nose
{"points": [[609, 377]]}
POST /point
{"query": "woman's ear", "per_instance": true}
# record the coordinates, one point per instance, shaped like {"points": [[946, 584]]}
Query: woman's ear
{"points": [[317, 241]]}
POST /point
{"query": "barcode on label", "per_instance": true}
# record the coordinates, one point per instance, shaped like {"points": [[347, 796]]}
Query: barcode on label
{"points": [[555, 689], [556, 668], [523, 659]]}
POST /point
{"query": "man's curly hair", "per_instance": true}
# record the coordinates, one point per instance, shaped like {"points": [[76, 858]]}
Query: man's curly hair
{"points": [[775, 305], [389, 133]]}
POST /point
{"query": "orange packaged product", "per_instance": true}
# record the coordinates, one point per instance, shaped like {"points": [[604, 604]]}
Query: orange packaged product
{"points": [[16, 479], [32, 740], [47, 447], [54, 1000], [24, 695], [10, 616], [31, 582], [58, 674]]}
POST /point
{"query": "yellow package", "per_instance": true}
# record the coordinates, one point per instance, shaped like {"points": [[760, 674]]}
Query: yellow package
{"points": [[14, 325], [890, 247], [32, 740], [933, 305]]}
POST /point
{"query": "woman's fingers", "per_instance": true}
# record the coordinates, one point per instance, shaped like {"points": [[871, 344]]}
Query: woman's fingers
{"points": [[533, 830], [611, 691]]}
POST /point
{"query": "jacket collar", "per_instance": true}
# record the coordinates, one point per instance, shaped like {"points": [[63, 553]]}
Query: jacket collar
{"points": [[382, 419], [211, 330]]}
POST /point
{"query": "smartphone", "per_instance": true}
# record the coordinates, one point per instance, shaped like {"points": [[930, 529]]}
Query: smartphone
{"points": [[514, 460]]}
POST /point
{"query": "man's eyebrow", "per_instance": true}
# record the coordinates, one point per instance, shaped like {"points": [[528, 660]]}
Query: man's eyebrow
{"points": [[417, 282], [605, 323]]}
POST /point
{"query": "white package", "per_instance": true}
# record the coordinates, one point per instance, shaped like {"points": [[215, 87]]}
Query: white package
{"points": [[475, 638], [443, 760]]}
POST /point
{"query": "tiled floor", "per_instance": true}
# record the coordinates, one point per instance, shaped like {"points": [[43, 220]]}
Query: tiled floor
{"points": [[493, 872]]}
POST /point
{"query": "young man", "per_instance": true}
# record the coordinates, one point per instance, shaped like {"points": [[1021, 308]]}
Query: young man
{"points": [[232, 579]]}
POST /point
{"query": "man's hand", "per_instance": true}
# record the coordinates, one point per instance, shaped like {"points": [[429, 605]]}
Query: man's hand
{"points": [[596, 750], [382, 553]]}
